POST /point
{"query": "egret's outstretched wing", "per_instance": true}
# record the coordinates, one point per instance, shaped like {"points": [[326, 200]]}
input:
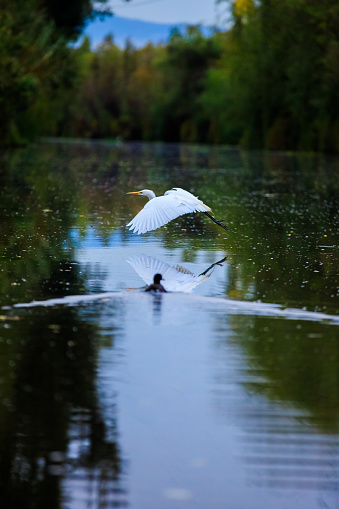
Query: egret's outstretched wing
{"points": [[163, 209]]}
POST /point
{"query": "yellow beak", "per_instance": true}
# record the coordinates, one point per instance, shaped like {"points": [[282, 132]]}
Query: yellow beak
{"points": [[134, 192]]}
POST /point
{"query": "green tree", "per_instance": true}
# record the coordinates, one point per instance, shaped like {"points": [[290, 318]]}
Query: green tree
{"points": [[186, 61], [281, 79], [34, 57]]}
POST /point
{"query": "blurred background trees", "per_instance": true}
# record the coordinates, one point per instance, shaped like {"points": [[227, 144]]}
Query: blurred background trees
{"points": [[35, 58], [271, 80]]}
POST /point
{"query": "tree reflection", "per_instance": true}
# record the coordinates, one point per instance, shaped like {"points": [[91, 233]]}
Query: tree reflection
{"points": [[288, 413], [51, 424], [296, 363]]}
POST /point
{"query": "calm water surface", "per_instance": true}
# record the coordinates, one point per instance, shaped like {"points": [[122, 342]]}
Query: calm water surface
{"points": [[224, 392]]}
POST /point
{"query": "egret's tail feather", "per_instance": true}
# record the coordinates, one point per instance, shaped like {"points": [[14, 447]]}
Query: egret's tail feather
{"points": [[216, 221]]}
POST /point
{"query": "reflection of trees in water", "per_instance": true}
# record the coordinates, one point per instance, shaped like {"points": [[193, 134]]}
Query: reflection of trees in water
{"points": [[282, 449], [44, 192], [298, 363], [63, 279], [288, 414], [54, 439], [51, 423], [69, 278]]}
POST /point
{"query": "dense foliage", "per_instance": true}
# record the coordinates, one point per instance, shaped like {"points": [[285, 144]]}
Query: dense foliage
{"points": [[35, 59], [270, 81]]}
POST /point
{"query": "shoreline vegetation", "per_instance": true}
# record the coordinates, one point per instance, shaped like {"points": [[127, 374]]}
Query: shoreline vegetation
{"points": [[271, 81]]}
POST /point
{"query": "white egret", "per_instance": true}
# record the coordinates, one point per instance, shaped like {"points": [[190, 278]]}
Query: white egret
{"points": [[162, 209]]}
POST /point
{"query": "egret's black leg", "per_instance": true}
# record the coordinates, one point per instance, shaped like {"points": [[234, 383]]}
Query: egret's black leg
{"points": [[213, 265], [216, 221]]}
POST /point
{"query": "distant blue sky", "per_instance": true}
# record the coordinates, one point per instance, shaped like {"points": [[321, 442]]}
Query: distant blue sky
{"points": [[204, 12], [138, 31]]}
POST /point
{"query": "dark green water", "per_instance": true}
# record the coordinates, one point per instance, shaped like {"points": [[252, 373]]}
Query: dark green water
{"points": [[222, 395]]}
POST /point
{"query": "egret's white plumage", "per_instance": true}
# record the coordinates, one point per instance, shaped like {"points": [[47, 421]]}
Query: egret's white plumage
{"points": [[162, 209]]}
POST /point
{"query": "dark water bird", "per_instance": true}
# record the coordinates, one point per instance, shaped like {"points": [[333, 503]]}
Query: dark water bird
{"points": [[162, 209], [156, 286]]}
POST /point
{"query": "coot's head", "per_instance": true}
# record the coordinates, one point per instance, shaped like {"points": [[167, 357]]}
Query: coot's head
{"points": [[157, 278]]}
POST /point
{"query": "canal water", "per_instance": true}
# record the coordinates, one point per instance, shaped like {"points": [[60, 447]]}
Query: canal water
{"points": [[221, 393]]}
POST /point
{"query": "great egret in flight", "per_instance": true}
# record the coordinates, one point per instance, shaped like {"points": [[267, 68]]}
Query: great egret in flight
{"points": [[162, 209]]}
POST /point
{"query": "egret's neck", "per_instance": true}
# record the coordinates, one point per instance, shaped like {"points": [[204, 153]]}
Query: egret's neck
{"points": [[150, 194]]}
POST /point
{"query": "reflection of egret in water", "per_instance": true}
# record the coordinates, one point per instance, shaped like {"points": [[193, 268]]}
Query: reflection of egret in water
{"points": [[175, 279]]}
